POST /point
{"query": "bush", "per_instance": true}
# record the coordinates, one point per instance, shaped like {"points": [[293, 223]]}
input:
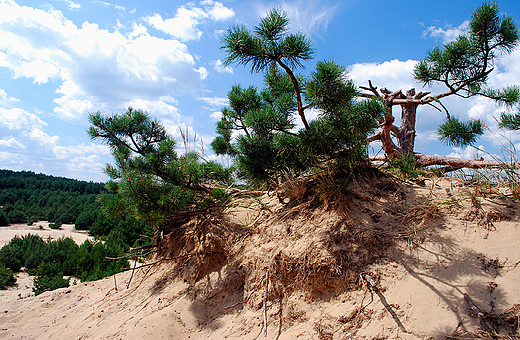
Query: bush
{"points": [[6, 277], [54, 225], [45, 283]]}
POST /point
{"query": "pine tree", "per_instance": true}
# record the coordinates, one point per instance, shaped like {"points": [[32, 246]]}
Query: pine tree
{"points": [[463, 66], [151, 182], [268, 142]]}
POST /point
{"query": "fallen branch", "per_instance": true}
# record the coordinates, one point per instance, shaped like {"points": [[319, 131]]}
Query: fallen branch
{"points": [[156, 262], [265, 302], [427, 160], [240, 302], [453, 163]]}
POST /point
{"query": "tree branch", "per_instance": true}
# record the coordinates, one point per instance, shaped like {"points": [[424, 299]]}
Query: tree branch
{"points": [[427, 160]]}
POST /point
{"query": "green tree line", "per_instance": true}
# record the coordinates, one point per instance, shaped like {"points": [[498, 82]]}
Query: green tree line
{"points": [[26, 197], [51, 260]]}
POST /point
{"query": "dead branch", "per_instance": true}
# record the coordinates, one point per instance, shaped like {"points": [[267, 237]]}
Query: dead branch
{"points": [[473, 307], [427, 160], [371, 88], [265, 302], [157, 262], [240, 302]]}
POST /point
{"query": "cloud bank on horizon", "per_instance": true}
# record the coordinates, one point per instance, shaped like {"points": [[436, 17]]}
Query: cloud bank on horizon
{"points": [[61, 60]]}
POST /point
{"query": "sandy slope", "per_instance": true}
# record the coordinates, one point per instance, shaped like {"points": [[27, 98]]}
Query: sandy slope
{"points": [[420, 283], [66, 230]]}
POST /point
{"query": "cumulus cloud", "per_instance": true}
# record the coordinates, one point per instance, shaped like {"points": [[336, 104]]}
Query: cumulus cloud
{"points": [[11, 143], [16, 118], [184, 25], [446, 34], [218, 65], [95, 67], [42, 138]]}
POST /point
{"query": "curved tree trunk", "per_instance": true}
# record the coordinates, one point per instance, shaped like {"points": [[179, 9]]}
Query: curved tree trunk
{"points": [[406, 135]]}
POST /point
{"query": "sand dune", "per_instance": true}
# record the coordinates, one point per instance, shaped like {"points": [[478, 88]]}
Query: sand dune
{"points": [[420, 283]]}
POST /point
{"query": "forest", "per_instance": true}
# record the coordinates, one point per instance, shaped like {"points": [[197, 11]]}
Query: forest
{"points": [[27, 197]]}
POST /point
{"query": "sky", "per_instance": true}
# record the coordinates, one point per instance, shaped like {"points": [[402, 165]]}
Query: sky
{"points": [[61, 60]]}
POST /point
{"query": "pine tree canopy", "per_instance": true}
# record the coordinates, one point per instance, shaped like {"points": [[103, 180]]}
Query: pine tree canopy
{"points": [[151, 181]]}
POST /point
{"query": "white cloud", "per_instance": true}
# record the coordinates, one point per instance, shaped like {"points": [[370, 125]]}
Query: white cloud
{"points": [[307, 16], [448, 33], [64, 152], [215, 101], [82, 163], [216, 116], [11, 143], [72, 5], [16, 119], [5, 99], [42, 138], [218, 65], [156, 108], [217, 11], [97, 68], [183, 25], [471, 153], [394, 74]]}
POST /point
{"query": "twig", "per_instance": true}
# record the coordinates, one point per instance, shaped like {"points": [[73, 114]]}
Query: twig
{"points": [[144, 247], [156, 262], [265, 302], [238, 303], [473, 307], [133, 270], [115, 282]]}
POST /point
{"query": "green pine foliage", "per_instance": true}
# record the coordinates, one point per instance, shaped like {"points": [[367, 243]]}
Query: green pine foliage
{"points": [[149, 180], [268, 142], [6, 276], [51, 260], [510, 121], [456, 133], [27, 197], [464, 66]]}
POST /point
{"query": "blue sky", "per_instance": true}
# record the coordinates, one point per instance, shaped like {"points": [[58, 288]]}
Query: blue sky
{"points": [[63, 59]]}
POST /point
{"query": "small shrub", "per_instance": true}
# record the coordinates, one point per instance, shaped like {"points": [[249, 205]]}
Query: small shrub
{"points": [[45, 283], [6, 277], [54, 225]]}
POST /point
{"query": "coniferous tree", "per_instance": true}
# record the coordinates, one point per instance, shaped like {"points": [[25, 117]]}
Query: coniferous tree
{"points": [[463, 66], [149, 179], [269, 141]]}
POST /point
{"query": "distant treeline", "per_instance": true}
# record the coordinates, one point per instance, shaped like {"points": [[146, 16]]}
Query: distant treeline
{"points": [[50, 261], [27, 197]]}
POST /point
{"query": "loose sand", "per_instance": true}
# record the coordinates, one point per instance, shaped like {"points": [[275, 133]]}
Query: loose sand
{"points": [[420, 288]]}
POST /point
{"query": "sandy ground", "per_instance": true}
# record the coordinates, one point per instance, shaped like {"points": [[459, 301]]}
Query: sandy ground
{"points": [[66, 230], [420, 295]]}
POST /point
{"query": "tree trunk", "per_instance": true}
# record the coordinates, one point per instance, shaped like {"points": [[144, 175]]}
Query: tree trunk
{"points": [[427, 160], [406, 135]]}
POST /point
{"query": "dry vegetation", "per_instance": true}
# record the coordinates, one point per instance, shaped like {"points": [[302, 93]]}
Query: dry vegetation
{"points": [[367, 256]]}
